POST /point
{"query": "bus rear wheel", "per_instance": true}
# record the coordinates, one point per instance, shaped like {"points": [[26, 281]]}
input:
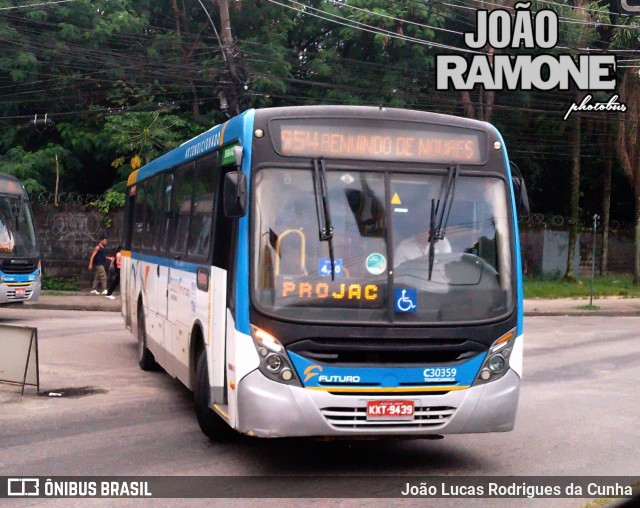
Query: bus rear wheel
{"points": [[211, 424], [146, 360]]}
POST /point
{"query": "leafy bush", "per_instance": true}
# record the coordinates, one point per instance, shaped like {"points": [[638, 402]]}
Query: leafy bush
{"points": [[111, 200], [60, 283]]}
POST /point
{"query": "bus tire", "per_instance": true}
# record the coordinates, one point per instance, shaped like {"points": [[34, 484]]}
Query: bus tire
{"points": [[146, 360], [211, 424]]}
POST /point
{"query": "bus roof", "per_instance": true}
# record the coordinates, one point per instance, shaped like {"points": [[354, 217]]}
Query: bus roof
{"points": [[371, 113]]}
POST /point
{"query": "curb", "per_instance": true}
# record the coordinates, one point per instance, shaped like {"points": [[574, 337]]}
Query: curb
{"points": [[578, 313], [70, 306]]}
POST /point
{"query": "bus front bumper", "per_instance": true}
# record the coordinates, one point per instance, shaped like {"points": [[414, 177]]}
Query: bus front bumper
{"points": [[270, 409], [20, 293]]}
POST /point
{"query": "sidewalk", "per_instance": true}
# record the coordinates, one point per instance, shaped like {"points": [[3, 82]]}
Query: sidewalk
{"points": [[608, 306], [76, 300], [612, 306]]}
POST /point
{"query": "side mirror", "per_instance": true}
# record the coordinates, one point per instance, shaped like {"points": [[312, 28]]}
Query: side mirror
{"points": [[520, 191], [235, 194]]}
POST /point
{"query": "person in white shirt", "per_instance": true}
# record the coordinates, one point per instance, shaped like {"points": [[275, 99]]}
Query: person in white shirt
{"points": [[417, 246]]}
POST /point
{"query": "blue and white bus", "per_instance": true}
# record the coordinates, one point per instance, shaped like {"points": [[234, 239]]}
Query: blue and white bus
{"points": [[20, 279], [331, 271]]}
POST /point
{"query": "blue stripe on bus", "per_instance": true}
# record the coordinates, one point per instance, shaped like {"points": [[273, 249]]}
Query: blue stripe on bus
{"points": [[428, 375], [20, 277], [516, 232], [185, 266], [242, 259]]}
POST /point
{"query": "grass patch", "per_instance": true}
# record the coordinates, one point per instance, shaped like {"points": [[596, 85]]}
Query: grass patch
{"points": [[59, 283], [588, 307], [621, 285]]}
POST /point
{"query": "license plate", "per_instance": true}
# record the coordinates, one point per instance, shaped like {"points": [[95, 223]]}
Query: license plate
{"points": [[20, 292], [390, 410]]}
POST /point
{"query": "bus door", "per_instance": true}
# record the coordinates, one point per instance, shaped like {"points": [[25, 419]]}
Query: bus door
{"points": [[219, 288], [225, 260]]}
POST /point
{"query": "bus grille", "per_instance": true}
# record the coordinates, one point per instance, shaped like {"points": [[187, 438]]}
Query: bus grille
{"points": [[356, 418], [11, 293], [350, 351]]}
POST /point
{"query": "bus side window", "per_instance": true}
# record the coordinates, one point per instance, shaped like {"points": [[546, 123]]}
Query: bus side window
{"points": [[138, 214], [151, 200], [163, 223], [201, 227], [181, 208]]}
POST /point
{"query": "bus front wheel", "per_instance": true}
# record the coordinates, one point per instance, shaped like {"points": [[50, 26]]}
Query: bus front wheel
{"points": [[211, 424], [146, 360]]}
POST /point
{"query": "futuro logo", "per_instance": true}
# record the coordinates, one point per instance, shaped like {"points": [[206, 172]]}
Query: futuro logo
{"points": [[310, 371]]}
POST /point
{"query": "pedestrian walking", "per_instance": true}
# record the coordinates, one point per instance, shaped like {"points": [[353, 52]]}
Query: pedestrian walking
{"points": [[116, 277], [96, 263]]}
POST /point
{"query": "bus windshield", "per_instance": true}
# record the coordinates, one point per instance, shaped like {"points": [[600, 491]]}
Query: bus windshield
{"points": [[17, 233], [383, 268]]}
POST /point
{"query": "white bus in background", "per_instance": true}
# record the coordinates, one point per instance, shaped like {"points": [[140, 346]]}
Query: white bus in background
{"points": [[20, 270]]}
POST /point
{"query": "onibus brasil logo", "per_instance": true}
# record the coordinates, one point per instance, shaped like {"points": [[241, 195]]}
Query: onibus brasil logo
{"points": [[528, 30]]}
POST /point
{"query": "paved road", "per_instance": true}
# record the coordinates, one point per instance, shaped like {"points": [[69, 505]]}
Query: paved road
{"points": [[578, 415], [610, 306]]}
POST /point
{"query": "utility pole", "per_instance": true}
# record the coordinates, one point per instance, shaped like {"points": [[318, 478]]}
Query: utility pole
{"points": [[230, 93], [593, 257]]}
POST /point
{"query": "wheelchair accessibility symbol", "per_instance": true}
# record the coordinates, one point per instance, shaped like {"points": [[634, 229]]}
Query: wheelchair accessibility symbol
{"points": [[405, 300]]}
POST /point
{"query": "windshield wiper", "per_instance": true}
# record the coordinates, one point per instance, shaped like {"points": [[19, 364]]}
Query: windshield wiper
{"points": [[322, 208], [440, 211]]}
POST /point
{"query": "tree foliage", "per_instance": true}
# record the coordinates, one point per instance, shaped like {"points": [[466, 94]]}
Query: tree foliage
{"points": [[135, 77]]}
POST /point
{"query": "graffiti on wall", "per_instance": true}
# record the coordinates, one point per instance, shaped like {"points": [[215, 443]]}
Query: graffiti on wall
{"points": [[68, 235]]}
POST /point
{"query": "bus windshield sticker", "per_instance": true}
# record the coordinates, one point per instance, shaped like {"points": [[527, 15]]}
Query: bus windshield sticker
{"points": [[395, 200], [324, 267], [405, 300], [376, 263], [347, 179]]}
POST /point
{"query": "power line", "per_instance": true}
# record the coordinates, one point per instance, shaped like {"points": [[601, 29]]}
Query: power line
{"points": [[368, 28], [42, 4]]}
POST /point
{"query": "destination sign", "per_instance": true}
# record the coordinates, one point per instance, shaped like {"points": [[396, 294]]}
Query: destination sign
{"points": [[323, 292], [408, 142]]}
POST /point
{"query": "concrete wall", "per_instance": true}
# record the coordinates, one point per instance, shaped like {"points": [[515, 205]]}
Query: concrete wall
{"points": [[68, 235], [544, 252]]}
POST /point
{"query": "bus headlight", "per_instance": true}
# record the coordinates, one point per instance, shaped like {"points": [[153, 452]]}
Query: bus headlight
{"points": [[496, 364], [274, 361]]}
